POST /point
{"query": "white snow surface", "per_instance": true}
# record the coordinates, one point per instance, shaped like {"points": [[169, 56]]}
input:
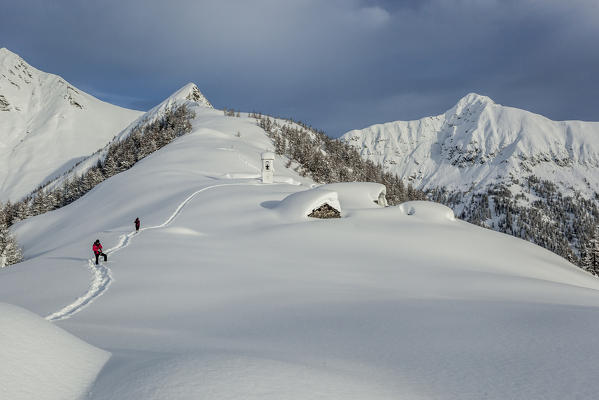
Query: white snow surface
{"points": [[427, 210], [478, 142], [41, 360], [47, 125], [357, 195], [222, 296]]}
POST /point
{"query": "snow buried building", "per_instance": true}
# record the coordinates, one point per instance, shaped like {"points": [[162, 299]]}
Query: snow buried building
{"points": [[332, 200]]}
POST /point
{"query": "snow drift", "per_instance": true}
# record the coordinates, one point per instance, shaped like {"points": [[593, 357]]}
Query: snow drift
{"points": [[40, 360], [357, 195], [427, 210]]}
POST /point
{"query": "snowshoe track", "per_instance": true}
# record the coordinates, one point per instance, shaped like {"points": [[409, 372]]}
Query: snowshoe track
{"points": [[102, 275], [102, 278]]}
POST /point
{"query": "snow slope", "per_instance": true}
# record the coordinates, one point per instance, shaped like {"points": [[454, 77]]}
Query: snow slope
{"points": [[187, 95], [47, 125], [40, 360], [223, 296], [477, 143]]}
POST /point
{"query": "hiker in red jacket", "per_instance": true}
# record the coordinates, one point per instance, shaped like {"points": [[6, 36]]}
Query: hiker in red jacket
{"points": [[137, 224], [97, 247]]}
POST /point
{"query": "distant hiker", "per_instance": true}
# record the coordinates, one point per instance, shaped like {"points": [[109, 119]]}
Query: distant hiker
{"points": [[137, 224], [97, 247]]}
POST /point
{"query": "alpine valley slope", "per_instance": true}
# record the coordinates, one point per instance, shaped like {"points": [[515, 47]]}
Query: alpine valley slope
{"points": [[47, 125], [489, 162], [229, 291]]}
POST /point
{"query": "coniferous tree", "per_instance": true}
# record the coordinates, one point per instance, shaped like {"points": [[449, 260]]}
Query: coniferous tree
{"points": [[326, 160], [590, 261], [10, 252]]}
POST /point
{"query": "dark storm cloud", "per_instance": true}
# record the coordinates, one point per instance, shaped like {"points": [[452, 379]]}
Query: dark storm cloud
{"points": [[335, 64]]}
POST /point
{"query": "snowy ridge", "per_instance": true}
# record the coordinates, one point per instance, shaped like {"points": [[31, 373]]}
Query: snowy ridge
{"points": [[47, 125], [477, 143], [192, 92], [188, 95]]}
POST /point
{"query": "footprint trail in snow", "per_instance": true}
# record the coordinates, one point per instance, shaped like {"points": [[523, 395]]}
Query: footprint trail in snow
{"points": [[102, 275]]}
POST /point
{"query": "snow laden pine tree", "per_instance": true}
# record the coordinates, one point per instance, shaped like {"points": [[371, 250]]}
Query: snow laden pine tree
{"points": [[590, 260], [10, 252]]}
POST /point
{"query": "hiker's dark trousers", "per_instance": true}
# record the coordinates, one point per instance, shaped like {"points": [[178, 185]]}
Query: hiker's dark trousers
{"points": [[101, 254]]}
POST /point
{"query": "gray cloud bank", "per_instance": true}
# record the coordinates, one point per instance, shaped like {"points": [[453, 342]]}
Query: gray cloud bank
{"points": [[337, 64]]}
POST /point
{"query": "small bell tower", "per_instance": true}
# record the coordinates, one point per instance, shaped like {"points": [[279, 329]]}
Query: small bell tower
{"points": [[268, 167]]}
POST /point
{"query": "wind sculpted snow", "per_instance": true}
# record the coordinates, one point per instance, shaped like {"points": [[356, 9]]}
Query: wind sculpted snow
{"points": [[40, 360]]}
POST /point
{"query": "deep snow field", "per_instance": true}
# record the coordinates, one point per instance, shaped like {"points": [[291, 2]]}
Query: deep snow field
{"points": [[230, 292]]}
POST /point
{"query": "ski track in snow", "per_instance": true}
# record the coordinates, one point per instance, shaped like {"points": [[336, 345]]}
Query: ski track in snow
{"points": [[102, 275]]}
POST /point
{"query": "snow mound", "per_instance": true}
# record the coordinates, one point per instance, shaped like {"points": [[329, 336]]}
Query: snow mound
{"points": [[358, 195], [298, 205], [427, 210], [341, 196], [231, 377], [38, 357]]}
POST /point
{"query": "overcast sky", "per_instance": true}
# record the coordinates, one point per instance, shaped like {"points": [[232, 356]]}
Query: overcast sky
{"points": [[336, 64]]}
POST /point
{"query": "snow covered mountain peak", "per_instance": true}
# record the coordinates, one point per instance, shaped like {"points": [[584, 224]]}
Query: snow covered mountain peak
{"points": [[472, 102], [191, 92], [475, 98], [7, 55], [478, 143], [23, 87], [47, 125]]}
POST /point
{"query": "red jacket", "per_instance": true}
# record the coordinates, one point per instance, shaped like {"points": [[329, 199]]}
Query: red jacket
{"points": [[97, 248]]}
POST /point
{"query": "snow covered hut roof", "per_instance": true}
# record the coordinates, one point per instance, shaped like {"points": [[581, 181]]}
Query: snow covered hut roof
{"points": [[340, 196], [298, 205]]}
